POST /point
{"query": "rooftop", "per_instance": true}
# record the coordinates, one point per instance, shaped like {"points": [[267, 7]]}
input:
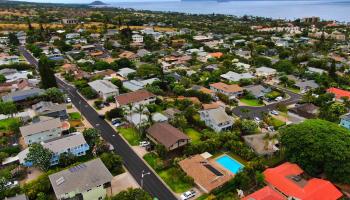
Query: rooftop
{"points": [[40, 126], [133, 97], [80, 178], [227, 88], [103, 86]]}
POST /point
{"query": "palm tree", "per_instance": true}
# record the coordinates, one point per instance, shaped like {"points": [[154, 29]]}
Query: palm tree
{"points": [[140, 109]]}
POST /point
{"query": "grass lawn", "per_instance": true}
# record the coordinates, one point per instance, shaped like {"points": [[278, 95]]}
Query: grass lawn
{"points": [[273, 95], [174, 181], [74, 116], [131, 135], [193, 134], [172, 176], [7, 124], [276, 122], [251, 102], [293, 89]]}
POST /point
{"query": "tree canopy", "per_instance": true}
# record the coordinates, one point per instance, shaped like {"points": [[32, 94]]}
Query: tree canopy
{"points": [[39, 156], [319, 146]]}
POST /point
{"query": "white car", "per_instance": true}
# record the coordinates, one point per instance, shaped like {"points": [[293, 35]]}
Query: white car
{"points": [[11, 184], [257, 119], [144, 144], [68, 100], [279, 98], [188, 195], [274, 112]]}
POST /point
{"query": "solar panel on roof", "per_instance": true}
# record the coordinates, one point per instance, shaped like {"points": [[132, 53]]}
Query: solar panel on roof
{"points": [[212, 169]]}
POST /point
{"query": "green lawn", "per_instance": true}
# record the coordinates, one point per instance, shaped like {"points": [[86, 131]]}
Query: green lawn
{"points": [[193, 134], [7, 124], [276, 122], [293, 89], [251, 102], [172, 176], [74, 116], [273, 95], [175, 181], [131, 135]]}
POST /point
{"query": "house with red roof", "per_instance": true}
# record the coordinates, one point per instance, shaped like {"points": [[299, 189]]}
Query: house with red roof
{"points": [[287, 181], [339, 93]]}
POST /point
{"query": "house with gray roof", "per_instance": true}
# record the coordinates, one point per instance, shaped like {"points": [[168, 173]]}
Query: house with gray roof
{"points": [[22, 95], [17, 197], [235, 77], [265, 72], [40, 131], [104, 88], [73, 143], [124, 72], [47, 108], [258, 91], [217, 119], [86, 181], [134, 85], [305, 86]]}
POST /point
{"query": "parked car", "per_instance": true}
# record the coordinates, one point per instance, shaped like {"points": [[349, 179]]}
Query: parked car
{"points": [[144, 143], [257, 119], [274, 112], [271, 129], [117, 122], [68, 100], [188, 195], [106, 103], [279, 98], [11, 184]]}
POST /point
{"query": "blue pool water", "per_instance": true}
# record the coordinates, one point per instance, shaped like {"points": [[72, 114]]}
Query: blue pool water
{"points": [[229, 163]]}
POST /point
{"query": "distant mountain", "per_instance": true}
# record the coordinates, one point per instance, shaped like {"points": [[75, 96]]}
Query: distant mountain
{"points": [[97, 3]]}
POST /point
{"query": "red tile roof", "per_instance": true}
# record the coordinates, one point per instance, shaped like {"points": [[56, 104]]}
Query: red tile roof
{"points": [[280, 178], [339, 92], [266, 193], [133, 97]]}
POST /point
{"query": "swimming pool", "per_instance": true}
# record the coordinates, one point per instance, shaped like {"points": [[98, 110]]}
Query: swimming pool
{"points": [[229, 163]]}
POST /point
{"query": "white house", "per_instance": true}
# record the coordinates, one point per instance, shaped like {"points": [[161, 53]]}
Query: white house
{"points": [[217, 119], [265, 72], [235, 77], [104, 88], [137, 38]]}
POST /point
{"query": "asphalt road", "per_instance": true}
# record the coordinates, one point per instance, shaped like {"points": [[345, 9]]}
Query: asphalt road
{"points": [[132, 161], [250, 112], [28, 56]]}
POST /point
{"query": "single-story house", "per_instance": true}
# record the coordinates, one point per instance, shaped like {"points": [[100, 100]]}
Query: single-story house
{"points": [[124, 72], [165, 134], [235, 77], [286, 181], [47, 108], [207, 174], [345, 121], [22, 95], [307, 110], [228, 90], [265, 72], [258, 91], [305, 86], [339, 93]]}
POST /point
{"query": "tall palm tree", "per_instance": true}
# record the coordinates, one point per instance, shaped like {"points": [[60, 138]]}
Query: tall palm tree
{"points": [[140, 109]]}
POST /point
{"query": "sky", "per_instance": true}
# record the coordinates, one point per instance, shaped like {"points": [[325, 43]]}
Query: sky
{"points": [[89, 1]]}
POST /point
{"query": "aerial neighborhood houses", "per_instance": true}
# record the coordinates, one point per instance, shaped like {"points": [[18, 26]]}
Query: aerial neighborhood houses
{"points": [[217, 113]]}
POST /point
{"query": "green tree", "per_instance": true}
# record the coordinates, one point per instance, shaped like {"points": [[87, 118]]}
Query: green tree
{"points": [[67, 159], [319, 146], [113, 162], [333, 112], [132, 194], [91, 136], [13, 40], [39, 156], [48, 79], [8, 108], [2, 78], [54, 95]]}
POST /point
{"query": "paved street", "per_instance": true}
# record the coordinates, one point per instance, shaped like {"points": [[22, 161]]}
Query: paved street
{"points": [[132, 162], [28, 56], [250, 112]]}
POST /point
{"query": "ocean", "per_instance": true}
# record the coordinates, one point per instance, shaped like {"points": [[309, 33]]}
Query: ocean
{"points": [[285, 9]]}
